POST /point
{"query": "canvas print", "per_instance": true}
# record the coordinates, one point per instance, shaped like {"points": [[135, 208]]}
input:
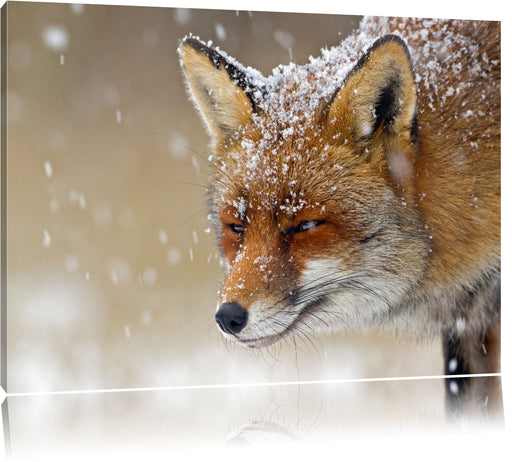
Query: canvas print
{"points": [[362, 188], [206, 198]]}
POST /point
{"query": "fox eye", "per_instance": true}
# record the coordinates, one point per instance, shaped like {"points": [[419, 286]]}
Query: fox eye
{"points": [[236, 228], [306, 226]]}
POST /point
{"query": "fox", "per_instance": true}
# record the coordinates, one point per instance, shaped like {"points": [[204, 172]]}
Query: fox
{"points": [[362, 189]]}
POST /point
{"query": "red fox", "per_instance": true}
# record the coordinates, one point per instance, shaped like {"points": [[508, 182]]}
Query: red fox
{"points": [[362, 189]]}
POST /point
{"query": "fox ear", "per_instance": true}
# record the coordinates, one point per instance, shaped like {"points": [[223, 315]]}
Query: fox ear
{"points": [[220, 87], [378, 92]]}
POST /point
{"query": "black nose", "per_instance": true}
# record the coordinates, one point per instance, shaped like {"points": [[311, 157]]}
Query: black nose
{"points": [[231, 317]]}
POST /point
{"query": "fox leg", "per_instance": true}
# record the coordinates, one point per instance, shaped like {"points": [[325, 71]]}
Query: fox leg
{"points": [[467, 353]]}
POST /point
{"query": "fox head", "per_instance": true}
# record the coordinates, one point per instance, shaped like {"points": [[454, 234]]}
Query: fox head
{"points": [[313, 192]]}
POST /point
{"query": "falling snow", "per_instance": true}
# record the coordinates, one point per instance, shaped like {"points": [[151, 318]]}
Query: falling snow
{"points": [[111, 95], [147, 318], [71, 263], [55, 38], [48, 169], [47, 240], [178, 146], [53, 205], [81, 201], [220, 31], [182, 15], [149, 276], [162, 236], [284, 38], [174, 256], [77, 8]]}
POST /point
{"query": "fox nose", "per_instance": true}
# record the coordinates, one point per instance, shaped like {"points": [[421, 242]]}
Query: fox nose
{"points": [[231, 317]]}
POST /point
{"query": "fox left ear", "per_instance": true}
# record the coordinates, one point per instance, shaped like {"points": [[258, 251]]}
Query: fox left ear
{"points": [[219, 86], [379, 92]]}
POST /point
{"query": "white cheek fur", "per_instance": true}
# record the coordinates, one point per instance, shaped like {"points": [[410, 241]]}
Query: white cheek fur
{"points": [[320, 270]]}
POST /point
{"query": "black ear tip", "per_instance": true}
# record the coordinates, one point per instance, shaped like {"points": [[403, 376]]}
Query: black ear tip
{"points": [[389, 38], [213, 54], [188, 40], [201, 47], [395, 39]]}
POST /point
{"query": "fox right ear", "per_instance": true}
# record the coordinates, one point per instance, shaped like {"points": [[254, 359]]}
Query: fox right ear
{"points": [[380, 92], [219, 86]]}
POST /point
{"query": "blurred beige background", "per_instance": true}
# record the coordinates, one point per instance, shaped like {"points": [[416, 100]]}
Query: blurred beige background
{"points": [[112, 275]]}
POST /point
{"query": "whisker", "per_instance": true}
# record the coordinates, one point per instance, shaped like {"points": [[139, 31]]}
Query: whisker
{"points": [[186, 183], [322, 286], [199, 155]]}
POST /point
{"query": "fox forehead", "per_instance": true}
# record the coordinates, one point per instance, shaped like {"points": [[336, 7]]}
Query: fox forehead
{"points": [[277, 166], [282, 179]]}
